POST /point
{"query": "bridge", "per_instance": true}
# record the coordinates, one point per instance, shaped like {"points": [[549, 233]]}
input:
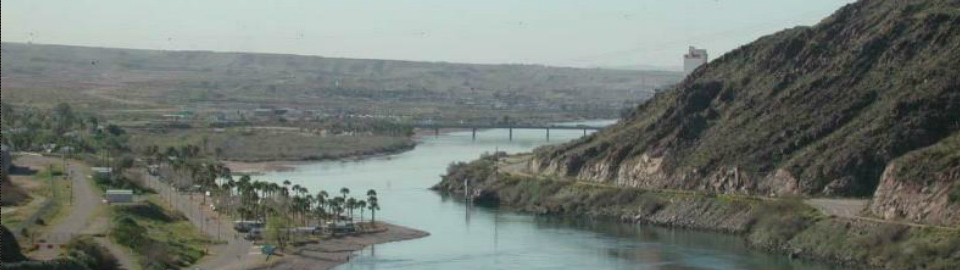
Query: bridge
{"points": [[474, 127]]}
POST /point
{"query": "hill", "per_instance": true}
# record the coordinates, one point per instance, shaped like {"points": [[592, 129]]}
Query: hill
{"points": [[98, 78], [821, 111]]}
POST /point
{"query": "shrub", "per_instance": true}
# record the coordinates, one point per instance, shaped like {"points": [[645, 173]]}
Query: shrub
{"points": [[775, 223], [58, 264], [149, 211], [83, 254], [11, 248], [84, 250], [955, 194]]}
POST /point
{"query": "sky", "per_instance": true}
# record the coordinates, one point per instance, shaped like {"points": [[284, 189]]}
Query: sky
{"points": [[596, 33]]}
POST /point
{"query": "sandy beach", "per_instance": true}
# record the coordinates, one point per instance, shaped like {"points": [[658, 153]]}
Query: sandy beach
{"points": [[328, 253]]}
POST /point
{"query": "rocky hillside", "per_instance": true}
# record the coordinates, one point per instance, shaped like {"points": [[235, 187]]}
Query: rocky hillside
{"points": [[922, 186], [820, 110]]}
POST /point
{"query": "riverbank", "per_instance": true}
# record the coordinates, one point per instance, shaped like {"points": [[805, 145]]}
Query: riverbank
{"points": [[785, 226], [261, 167], [255, 145], [328, 253]]}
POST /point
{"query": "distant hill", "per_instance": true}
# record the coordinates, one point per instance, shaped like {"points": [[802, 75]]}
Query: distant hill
{"points": [[147, 78], [868, 98]]}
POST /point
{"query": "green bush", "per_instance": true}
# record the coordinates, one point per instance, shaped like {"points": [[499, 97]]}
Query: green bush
{"points": [[58, 264], [955, 195], [83, 254], [775, 223], [156, 236], [149, 211], [89, 253]]}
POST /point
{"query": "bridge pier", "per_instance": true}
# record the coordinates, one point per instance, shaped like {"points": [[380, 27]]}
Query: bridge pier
{"points": [[474, 134], [584, 132], [548, 134], [436, 132], [511, 134]]}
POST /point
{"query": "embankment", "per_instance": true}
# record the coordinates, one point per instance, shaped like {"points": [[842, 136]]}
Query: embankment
{"points": [[785, 226]]}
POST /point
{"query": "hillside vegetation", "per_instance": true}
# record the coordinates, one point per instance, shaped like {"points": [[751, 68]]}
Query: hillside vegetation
{"points": [[819, 110]]}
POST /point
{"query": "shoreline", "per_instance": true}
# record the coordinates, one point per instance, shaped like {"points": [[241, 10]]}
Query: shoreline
{"points": [[328, 253], [787, 227], [268, 166]]}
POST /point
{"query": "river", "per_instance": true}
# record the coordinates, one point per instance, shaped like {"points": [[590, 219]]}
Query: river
{"points": [[464, 237]]}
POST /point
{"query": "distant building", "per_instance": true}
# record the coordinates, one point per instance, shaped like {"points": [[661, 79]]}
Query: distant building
{"points": [[694, 59], [119, 196], [5, 159]]}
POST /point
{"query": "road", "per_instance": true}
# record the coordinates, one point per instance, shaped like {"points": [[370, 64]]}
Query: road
{"points": [[848, 208], [236, 249], [85, 205]]}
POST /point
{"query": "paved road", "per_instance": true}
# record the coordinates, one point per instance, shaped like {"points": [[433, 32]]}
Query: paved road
{"points": [[223, 256]]}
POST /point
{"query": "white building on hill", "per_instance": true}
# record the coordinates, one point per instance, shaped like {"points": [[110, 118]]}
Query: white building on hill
{"points": [[694, 59]]}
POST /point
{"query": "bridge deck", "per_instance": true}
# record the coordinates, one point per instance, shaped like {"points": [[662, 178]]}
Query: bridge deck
{"points": [[507, 127]]}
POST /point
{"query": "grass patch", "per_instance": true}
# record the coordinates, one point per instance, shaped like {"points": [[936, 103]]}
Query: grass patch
{"points": [[887, 246], [776, 222], [50, 187], [163, 239], [925, 164]]}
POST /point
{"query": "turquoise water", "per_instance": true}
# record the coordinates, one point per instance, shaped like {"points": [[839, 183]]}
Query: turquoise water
{"points": [[468, 237]]}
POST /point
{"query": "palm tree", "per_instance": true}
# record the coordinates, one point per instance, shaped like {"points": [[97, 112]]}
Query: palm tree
{"points": [[337, 205], [373, 205], [344, 191], [351, 205], [322, 198], [361, 204]]}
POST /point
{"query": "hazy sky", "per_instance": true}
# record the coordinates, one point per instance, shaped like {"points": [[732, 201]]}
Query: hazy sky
{"points": [[553, 32]]}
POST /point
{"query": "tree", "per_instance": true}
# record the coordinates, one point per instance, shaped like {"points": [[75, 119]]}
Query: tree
{"points": [[321, 200], [277, 228], [361, 204], [351, 205], [373, 205], [345, 192], [64, 117]]}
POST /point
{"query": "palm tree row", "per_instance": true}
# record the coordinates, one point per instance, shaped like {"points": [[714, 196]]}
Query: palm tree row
{"points": [[257, 200]]}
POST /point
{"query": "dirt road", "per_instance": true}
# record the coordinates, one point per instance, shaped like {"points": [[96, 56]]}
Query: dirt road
{"points": [[85, 204], [848, 208]]}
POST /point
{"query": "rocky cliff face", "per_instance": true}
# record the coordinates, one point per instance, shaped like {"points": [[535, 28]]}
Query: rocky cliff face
{"points": [[819, 110], [923, 186]]}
